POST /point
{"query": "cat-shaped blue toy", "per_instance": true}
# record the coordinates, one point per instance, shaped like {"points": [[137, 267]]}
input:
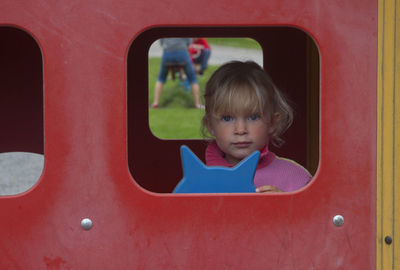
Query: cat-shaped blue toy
{"points": [[198, 178]]}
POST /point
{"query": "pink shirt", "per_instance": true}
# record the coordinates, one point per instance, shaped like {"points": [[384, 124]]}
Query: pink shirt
{"points": [[284, 174]]}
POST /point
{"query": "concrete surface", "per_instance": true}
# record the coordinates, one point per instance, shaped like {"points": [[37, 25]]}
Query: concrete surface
{"points": [[219, 54]]}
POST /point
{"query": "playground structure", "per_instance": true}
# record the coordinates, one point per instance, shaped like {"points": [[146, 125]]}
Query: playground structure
{"points": [[75, 82]]}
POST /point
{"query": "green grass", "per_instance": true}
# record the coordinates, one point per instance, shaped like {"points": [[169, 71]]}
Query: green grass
{"points": [[176, 123], [176, 118], [247, 43]]}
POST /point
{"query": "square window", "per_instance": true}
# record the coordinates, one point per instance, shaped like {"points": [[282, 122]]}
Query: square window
{"points": [[289, 55]]}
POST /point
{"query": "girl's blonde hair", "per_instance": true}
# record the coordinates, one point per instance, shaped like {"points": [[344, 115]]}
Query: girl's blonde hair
{"points": [[245, 87]]}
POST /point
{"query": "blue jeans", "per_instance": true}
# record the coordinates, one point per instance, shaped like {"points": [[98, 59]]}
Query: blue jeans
{"points": [[203, 59], [177, 57]]}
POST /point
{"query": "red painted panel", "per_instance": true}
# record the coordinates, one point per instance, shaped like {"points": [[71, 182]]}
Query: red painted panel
{"points": [[85, 47]]}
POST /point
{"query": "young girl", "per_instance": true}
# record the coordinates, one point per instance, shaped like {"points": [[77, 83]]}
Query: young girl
{"points": [[246, 112]]}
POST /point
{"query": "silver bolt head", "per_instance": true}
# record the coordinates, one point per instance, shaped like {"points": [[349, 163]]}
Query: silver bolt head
{"points": [[86, 224], [338, 220]]}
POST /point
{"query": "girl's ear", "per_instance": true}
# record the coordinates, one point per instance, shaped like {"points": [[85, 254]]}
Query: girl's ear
{"points": [[211, 130], [274, 122]]}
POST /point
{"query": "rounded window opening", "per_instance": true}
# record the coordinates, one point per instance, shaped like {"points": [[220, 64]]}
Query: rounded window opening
{"points": [[288, 55], [175, 97], [21, 111]]}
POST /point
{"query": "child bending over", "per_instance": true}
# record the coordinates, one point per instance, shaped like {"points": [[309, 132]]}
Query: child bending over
{"points": [[246, 112]]}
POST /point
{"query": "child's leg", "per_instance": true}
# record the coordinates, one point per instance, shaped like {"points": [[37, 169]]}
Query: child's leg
{"points": [[157, 94], [196, 95]]}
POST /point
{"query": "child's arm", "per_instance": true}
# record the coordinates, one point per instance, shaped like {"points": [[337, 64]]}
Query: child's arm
{"points": [[268, 188]]}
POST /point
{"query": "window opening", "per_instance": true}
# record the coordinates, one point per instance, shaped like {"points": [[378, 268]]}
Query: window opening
{"points": [[21, 111], [176, 98], [289, 55]]}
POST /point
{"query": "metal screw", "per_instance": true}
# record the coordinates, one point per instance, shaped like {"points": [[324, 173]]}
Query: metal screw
{"points": [[388, 240], [338, 220], [86, 224]]}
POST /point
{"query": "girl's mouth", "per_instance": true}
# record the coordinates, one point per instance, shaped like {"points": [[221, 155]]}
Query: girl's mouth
{"points": [[242, 144]]}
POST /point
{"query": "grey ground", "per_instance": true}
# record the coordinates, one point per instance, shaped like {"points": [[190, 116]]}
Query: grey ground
{"points": [[220, 54], [20, 171]]}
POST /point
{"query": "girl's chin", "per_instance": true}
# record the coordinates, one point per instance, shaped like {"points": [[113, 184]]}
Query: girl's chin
{"points": [[237, 158]]}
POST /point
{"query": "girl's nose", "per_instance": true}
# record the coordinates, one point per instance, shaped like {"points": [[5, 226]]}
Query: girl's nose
{"points": [[240, 127]]}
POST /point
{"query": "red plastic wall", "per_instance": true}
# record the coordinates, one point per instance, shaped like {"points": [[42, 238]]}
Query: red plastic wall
{"points": [[85, 46]]}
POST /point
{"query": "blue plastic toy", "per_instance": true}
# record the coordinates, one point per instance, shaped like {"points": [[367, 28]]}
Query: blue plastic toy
{"points": [[198, 178]]}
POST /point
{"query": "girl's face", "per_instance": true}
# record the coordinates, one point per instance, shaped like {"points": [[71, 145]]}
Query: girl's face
{"points": [[238, 135]]}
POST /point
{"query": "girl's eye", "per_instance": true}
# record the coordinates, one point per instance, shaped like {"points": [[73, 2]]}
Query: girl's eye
{"points": [[254, 117], [226, 118]]}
